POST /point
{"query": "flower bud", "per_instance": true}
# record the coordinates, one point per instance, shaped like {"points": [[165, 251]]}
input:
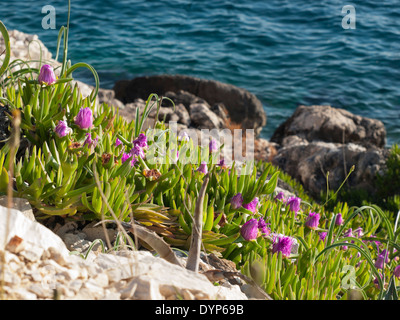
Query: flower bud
{"points": [[252, 206], [46, 75], [84, 119], [312, 220], [339, 219], [294, 204], [62, 129], [249, 230], [203, 167]]}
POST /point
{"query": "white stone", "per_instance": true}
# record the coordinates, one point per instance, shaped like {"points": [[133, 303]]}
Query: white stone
{"points": [[30, 231]]}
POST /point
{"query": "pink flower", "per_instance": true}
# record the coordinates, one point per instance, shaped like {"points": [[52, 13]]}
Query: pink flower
{"points": [[137, 150], [322, 235], [84, 119], [382, 259], [46, 75], [396, 271], [249, 230], [312, 220], [280, 196], [339, 219], [252, 206], [213, 146], [126, 156], [62, 129], [263, 226], [282, 244], [203, 167], [141, 141], [294, 204], [89, 141], [237, 201], [117, 142]]}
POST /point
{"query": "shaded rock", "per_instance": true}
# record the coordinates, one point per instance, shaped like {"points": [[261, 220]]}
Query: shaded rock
{"points": [[182, 97], [243, 107], [310, 162], [203, 118], [20, 204], [328, 124], [316, 140]]}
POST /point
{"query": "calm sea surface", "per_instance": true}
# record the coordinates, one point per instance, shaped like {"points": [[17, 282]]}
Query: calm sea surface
{"points": [[285, 52]]}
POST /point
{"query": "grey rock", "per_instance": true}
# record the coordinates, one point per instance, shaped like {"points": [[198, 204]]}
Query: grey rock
{"points": [[20, 204], [324, 123], [203, 118], [310, 162]]}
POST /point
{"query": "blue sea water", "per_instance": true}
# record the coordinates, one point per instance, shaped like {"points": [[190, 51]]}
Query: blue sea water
{"points": [[286, 52]]}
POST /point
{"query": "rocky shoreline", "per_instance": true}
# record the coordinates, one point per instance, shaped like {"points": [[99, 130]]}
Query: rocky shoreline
{"points": [[313, 141]]}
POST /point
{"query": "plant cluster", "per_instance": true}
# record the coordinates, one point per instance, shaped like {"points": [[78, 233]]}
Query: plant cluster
{"points": [[84, 161]]}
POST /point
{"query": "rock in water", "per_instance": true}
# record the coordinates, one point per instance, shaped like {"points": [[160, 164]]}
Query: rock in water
{"points": [[324, 123], [316, 140], [243, 107]]}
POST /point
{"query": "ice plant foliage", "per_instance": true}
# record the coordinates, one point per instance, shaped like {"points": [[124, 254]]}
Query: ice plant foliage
{"points": [[46, 75], [92, 152]]}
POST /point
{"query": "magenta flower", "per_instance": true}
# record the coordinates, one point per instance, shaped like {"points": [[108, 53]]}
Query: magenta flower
{"points": [[84, 118], [312, 220], [382, 259], [294, 204], [339, 219], [280, 196], [359, 232], [126, 156], [322, 235], [282, 244], [89, 141], [62, 129], [249, 230], [252, 206], [263, 226], [237, 201], [222, 164], [203, 167], [396, 271], [46, 75], [213, 145], [141, 141], [117, 142], [137, 151], [376, 282], [347, 233]]}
